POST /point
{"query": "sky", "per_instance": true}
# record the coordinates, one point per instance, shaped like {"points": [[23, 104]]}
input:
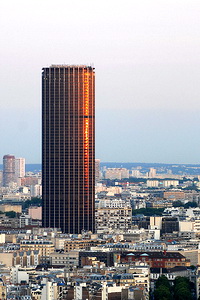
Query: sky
{"points": [[147, 60]]}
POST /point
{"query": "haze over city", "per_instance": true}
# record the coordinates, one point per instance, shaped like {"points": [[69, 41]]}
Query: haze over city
{"points": [[146, 56]]}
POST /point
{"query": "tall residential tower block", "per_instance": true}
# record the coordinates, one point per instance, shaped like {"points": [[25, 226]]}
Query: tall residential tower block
{"points": [[8, 170], [68, 147], [19, 167]]}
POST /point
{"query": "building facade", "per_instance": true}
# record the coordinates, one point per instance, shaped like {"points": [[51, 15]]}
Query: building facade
{"points": [[156, 259], [115, 217], [68, 147], [44, 247]]}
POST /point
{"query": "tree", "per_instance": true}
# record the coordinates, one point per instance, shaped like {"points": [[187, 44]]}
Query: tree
{"points": [[190, 204], [182, 289], [183, 294], [11, 214], [162, 293], [162, 289], [35, 201], [163, 280], [148, 211], [178, 203]]}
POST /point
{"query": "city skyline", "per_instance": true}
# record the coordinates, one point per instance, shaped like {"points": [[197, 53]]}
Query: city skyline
{"points": [[100, 108], [147, 89]]}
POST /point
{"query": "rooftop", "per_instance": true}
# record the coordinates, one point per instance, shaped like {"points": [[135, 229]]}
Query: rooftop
{"points": [[70, 66]]}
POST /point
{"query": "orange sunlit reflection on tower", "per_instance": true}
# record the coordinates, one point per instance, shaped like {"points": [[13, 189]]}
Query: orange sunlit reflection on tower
{"points": [[86, 130]]}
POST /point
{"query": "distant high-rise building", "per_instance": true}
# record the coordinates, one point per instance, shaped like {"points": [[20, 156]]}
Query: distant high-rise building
{"points": [[8, 169], [135, 173], [97, 170], [19, 167], [36, 190], [68, 147], [152, 173], [1, 178]]}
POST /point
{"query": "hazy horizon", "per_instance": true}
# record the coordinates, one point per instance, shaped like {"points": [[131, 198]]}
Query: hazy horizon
{"points": [[147, 60]]}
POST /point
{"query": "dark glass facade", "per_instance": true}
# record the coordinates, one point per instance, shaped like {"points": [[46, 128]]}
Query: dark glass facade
{"points": [[68, 147]]}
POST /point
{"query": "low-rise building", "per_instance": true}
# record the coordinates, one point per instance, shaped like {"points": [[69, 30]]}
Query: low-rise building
{"points": [[9, 207], [152, 183], [174, 195], [35, 212], [3, 291], [24, 220], [156, 259], [170, 183], [77, 244], [116, 173], [45, 248], [64, 259]]}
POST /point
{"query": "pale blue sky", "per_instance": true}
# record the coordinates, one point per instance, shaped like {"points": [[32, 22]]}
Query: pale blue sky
{"points": [[147, 60]]}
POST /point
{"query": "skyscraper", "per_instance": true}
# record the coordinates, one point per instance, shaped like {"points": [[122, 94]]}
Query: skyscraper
{"points": [[68, 147], [19, 167], [8, 169], [97, 170]]}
